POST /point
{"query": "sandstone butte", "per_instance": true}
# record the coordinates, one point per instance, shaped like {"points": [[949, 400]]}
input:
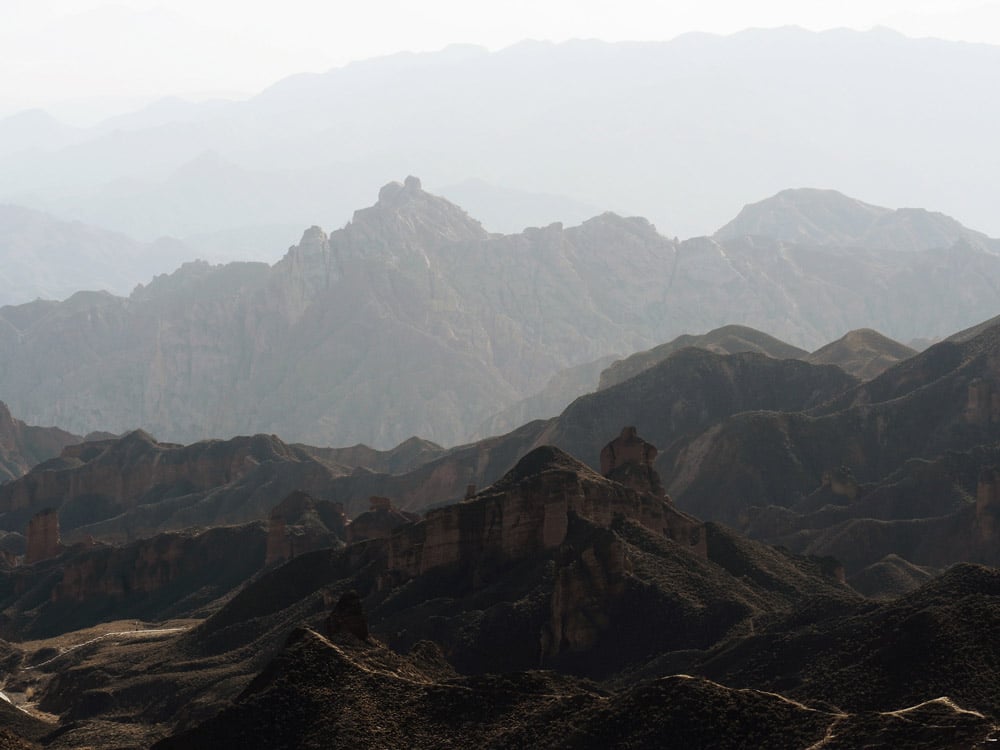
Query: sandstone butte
{"points": [[527, 512]]}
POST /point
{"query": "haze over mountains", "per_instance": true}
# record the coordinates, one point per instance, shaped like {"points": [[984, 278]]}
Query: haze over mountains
{"points": [[784, 110], [595, 486], [45, 258], [550, 564], [413, 320]]}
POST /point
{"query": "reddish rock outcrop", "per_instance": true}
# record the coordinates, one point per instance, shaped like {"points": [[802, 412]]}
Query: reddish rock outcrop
{"points": [[628, 459], [189, 565], [585, 587], [379, 521], [627, 448], [983, 402], [300, 524], [43, 537], [987, 503], [348, 616], [278, 543]]}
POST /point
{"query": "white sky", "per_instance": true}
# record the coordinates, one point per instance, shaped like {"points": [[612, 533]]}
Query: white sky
{"points": [[85, 58]]}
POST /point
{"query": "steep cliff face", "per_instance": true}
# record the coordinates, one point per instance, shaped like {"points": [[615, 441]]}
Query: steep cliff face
{"points": [[23, 446], [169, 575], [586, 590], [43, 537], [527, 513]]}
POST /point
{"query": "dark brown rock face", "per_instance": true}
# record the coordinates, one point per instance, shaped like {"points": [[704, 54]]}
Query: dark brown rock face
{"points": [[938, 401], [43, 537], [628, 459], [300, 524], [526, 513], [348, 616], [168, 575], [627, 448], [688, 392], [983, 405], [379, 521], [114, 488]]}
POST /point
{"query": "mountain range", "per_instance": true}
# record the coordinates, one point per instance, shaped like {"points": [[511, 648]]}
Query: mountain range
{"points": [[413, 320], [682, 132]]}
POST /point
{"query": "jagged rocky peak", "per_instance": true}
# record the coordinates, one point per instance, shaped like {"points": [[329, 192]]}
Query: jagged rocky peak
{"points": [[314, 240], [396, 192], [23, 446], [408, 216]]}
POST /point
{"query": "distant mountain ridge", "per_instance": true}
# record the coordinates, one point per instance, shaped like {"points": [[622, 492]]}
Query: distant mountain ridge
{"points": [[413, 320], [43, 257], [726, 340], [829, 218], [680, 131], [863, 353]]}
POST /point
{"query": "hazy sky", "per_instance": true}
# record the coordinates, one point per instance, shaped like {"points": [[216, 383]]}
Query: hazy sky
{"points": [[118, 55]]}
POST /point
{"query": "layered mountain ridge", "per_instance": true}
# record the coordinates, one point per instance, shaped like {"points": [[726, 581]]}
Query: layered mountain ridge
{"points": [[413, 320]]}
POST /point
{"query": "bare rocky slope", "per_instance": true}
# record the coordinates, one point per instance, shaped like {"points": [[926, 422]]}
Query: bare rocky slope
{"points": [[897, 472], [863, 353]]}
